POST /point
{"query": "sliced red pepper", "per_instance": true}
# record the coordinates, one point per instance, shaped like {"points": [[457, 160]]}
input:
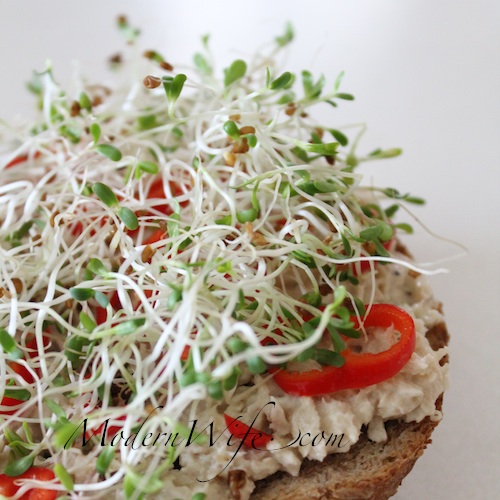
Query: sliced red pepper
{"points": [[185, 353], [9, 486], [252, 438], [78, 226], [101, 314], [8, 401], [111, 431], [22, 371], [157, 191], [359, 370], [157, 235], [21, 159], [32, 345]]}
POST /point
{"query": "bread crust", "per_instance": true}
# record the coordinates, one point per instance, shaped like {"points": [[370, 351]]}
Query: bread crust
{"points": [[368, 470]]}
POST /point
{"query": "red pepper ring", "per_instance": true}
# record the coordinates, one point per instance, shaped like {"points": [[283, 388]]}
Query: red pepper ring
{"points": [[359, 370], [22, 159], [9, 485], [252, 438]]}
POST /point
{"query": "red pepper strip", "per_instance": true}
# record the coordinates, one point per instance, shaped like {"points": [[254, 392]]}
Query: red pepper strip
{"points": [[253, 438], [22, 159], [156, 191], [8, 486], [359, 370], [22, 371], [185, 353], [156, 236], [101, 314], [7, 401], [32, 346], [111, 431]]}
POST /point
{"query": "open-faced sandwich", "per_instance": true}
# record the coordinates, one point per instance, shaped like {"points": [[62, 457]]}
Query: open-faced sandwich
{"points": [[199, 297]]}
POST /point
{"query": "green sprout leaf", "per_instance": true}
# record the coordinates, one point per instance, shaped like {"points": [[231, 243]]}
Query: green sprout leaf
{"points": [[329, 358], [282, 82], [224, 221], [256, 365], [74, 347], [236, 345], [247, 215], [251, 139], [303, 257], [104, 459], [19, 466], [129, 33], [87, 322], [64, 476], [328, 149], [390, 211], [173, 225], [403, 226], [231, 381], [16, 443], [268, 77], [394, 193], [81, 294], [339, 137], [19, 394], [236, 71], [85, 102], [387, 153], [147, 122], [126, 327], [325, 186], [312, 89], [338, 81], [105, 194], [65, 435], [109, 151], [95, 131], [72, 134], [313, 298], [148, 167], [22, 231], [174, 297], [128, 218], [97, 267], [231, 129], [173, 88], [9, 346], [57, 410], [132, 485], [346, 97], [202, 64], [287, 37], [101, 299], [35, 86], [215, 390]]}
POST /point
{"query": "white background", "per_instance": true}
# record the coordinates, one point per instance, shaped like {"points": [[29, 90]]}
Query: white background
{"points": [[426, 76]]}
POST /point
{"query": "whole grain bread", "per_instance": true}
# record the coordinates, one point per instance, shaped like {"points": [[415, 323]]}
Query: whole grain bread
{"points": [[369, 470]]}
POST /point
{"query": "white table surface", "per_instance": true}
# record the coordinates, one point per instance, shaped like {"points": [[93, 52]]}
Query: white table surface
{"points": [[426, 76]]}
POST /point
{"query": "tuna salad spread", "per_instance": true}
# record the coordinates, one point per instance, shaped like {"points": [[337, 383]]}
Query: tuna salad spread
{"points": [[197, 289]]}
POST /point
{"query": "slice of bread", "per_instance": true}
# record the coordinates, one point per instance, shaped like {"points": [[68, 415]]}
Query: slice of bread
{"points": [[369, 470]]}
